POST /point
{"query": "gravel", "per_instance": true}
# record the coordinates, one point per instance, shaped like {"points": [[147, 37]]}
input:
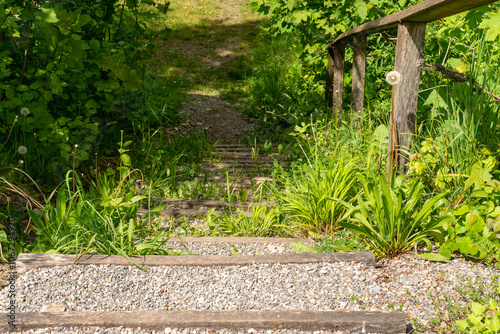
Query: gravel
{"points": [[406, 284]]}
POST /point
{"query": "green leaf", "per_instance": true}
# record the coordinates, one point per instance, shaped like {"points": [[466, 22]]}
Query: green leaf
{"points": [[126, 160], [433, 257], [47, 95], [300, 15], [495, 324], [291, 4], [47, 15], [435, 100], [235, 250], [477, 309], [462, 324], [302, 248], [479, 175], [444, 251], [491, 25], [94, 44], [362, 9]]}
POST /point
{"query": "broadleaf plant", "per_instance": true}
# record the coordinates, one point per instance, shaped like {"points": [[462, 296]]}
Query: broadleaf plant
{"points": [[391, 217]]}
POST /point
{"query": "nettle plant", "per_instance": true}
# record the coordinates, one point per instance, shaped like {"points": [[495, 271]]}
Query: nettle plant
{"points": [[69, 62]]}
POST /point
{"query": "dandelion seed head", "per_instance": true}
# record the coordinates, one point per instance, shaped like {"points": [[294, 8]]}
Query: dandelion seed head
{"points": [[21, 162], [393, 78], [22, 150], [25, 111]]}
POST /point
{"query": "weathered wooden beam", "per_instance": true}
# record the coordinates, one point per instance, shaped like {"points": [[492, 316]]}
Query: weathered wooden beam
{"points": [[28, 261], [338, 77], [331, 321], [358, 79], [329, 79], [426, 11], [409, 51]]}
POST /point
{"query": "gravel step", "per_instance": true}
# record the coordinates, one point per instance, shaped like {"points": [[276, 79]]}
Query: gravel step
{"points": [[28, 261]]}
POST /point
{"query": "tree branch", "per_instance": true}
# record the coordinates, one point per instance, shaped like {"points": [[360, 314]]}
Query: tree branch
{"points": [[455, 76]]}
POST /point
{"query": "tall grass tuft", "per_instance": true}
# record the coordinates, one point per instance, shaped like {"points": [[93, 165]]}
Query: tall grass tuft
{"points": [[305, 199], [81, 222]]}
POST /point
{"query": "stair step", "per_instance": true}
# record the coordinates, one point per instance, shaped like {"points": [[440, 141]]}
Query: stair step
{"points": [[230, 145], [237, 170], [237, 179], [250, 155], [207, 203], [243, 163], [350, 321], [191, 212], [28, 261], [235, 240], [233, 149]]}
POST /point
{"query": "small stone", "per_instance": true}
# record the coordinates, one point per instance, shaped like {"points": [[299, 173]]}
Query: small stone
{"points": [[377, 289]]}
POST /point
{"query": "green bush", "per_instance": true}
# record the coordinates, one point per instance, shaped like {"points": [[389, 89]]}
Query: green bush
{"points": [[64, 69]]}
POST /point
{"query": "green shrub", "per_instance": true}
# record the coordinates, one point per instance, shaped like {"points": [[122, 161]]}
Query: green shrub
{"points": [[65, 67]]}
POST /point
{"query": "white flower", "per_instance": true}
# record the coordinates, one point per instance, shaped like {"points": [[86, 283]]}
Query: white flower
{"points": [[21, 162], [22, 150], [393, 78], [25, 111]]}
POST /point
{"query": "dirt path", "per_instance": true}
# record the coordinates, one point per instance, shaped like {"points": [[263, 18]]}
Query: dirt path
{"points": [[210, 45]]}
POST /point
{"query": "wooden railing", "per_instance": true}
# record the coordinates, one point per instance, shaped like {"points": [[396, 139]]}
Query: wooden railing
{"points": [[411, 25]]}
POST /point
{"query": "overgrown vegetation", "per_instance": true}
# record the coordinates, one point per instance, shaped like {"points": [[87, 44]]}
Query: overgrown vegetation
{"points": [[89, 106]]}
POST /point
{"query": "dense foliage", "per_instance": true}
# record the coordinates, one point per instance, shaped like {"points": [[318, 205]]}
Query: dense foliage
{"points": [[65, 67], [315, 24]]}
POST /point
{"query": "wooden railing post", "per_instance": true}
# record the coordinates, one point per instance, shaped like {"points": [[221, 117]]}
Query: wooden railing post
{"points": [[338, 77], [329, 79], [358, 79], [409, 51]]}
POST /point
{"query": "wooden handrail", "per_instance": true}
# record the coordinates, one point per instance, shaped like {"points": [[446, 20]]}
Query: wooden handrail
{"points": [[427, 11], [411, 24]]}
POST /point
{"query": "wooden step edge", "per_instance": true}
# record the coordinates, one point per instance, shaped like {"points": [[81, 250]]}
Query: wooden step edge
{"points": [[348, 321], [221, 184], [248, 162], [254, 170], [28, 261], [233, 149], [207, 203], [250, 155], [237, 170], [241, 240], [191, 212], [232, 179], [230, 145]]}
